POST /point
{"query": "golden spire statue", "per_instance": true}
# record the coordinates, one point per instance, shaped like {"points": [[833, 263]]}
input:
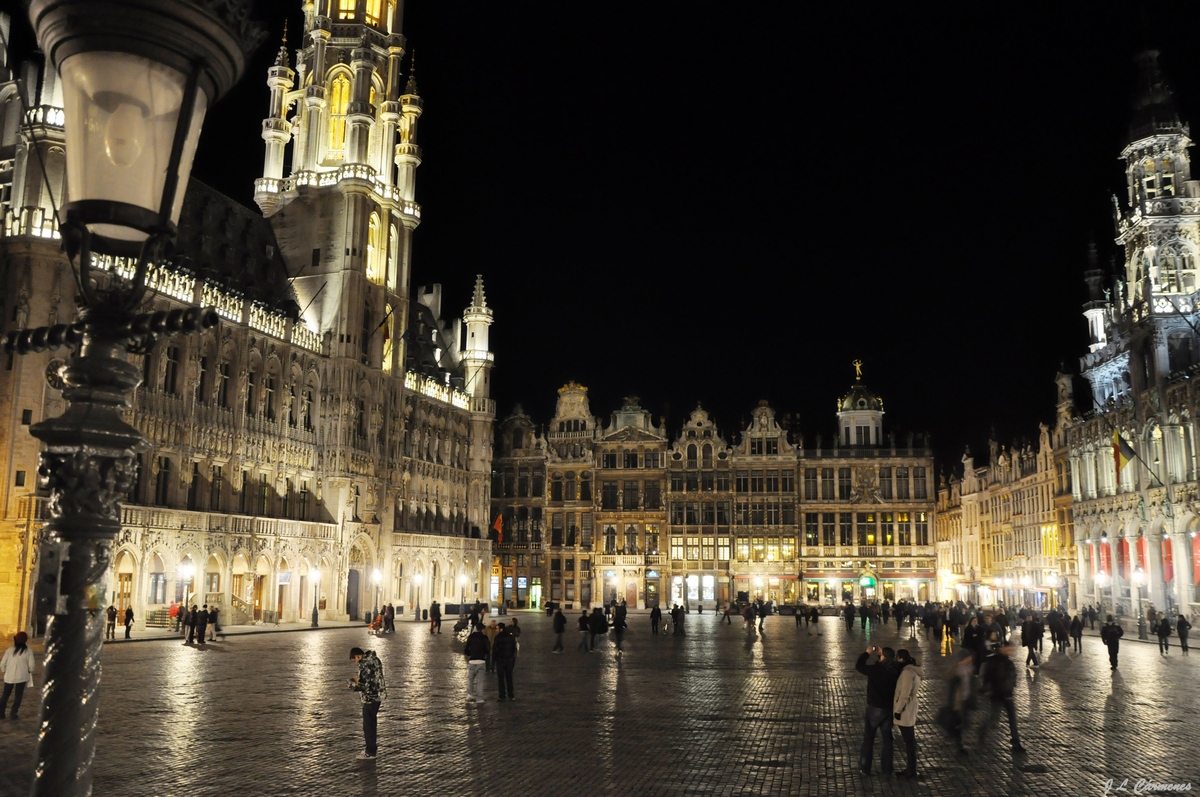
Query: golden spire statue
{"points": [[857, 370]]}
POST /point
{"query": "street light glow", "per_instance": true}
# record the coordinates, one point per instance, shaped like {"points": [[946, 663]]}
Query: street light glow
{"points": [[315, 575], [376, 576]]}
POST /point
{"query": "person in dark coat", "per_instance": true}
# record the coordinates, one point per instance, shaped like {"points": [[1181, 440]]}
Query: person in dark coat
{"points": [[212, 619], [435, 618], [128, 621], [618, 624], [1029, 639], [863, 611], [1111, 635], [110, 628], [1077, 633], [656, 620], [560, 628], [879, 665], [1164, 635], [999, 676], [584, 632], [1182, 627], [191, 625], [504, 657], [597, 625], [202, 623]]}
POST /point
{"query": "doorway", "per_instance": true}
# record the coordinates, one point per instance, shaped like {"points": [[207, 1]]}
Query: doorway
{"points": [[352, 594], [259, 581], [631, 593]]}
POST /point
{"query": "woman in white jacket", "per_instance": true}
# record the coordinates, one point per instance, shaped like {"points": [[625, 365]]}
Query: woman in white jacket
{"points": [[904, 707], [17, 667]]}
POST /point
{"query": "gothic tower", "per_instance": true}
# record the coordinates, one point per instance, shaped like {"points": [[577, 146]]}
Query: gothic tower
{"points": [[1158, 229], [344, 216]]}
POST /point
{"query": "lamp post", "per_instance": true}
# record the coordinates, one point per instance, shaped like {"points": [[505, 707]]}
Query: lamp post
{"points": [[1102, 581], [1139, 578], [1052, 582], [376, 577], [186, 572], [137, 77], [314, 576], [462, 603], [417, 606]]}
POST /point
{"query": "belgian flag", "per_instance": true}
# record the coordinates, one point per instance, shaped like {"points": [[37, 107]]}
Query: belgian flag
{"points": [[1122, 451]]}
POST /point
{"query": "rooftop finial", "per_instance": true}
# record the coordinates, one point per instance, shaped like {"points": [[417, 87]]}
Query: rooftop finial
{"points": [[857, 370], [282, 58], [478, 300], [411, 87]]}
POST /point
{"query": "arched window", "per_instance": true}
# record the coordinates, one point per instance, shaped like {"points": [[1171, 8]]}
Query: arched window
{"points": [[1176, 268], [374, 9], [388, 328], [375, 266], [339, 98], [691, 456], [706, 456], [392, 261]]}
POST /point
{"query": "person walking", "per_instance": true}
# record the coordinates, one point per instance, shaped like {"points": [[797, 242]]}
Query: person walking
{"points": [[184, 620], [999, 676], [476, 650], [1091, 615], [389, 619], [16, 667], [212, 619], [1110, 635], [904, 707], [1182, 627], [435, 618], [492, 632], [370, 683], [1028, 630], [1077, 634], [948, 634], [962, 677], [560, 628], [110, 629], [762, 615], [128, 621], [728, 611], [863, 611], [656, 619], [584, 633], [202, 623], [618, 624], [1164, 635], [879, 667], [597, 625], [504, 659]]}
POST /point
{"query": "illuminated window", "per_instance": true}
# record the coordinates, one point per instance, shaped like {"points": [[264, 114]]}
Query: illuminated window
{"points": [[743, 549], [374, 8], [346, 9], [787, 549], [677, 547], [759, 550], [707, 543], [393, 251], [339, 98], [391, 14], [723, 549], [772, 549], [375, 265], [388, 330], [693, 548]]}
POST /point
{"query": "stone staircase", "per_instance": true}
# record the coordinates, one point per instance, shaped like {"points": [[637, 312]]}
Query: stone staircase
{"points": [[240, 612]]}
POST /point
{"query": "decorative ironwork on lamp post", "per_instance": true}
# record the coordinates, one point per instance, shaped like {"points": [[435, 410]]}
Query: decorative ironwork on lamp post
{"points": [[137, 77]]}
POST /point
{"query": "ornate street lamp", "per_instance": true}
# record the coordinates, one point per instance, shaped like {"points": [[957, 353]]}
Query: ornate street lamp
{"points": [[417, 608], [137, 77], [314, 576], [1139, 578], [186, 572], [462, 604]]}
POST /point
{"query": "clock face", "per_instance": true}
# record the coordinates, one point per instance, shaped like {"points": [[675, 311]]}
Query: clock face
{"points": [[54, 374]]}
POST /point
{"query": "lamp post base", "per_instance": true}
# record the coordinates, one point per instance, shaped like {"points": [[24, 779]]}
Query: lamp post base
{"points": [[314, 618]]}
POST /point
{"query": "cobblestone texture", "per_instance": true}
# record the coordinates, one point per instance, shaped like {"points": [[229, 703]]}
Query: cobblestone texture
{"points": [[705, 714]]}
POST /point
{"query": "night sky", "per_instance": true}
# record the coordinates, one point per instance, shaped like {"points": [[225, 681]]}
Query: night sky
{"points": [[728, 202]]}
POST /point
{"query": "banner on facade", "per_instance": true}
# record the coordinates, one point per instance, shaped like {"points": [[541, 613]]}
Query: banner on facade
{"points": [[1143, 557], [1167, 562], [1195, 561], [1092, 554], [1106, 558], [1123, 558]]}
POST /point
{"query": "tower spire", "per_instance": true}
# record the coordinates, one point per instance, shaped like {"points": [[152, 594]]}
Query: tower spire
{"points": [[282, 58], [1154, 109], [478, 300], [411, 86]]}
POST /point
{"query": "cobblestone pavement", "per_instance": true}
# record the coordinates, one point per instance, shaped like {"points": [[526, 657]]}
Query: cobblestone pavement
{"points": [[712, 713]]}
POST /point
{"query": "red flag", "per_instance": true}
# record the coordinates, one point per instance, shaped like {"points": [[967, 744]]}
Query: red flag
{"points": [[499, 527]]}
